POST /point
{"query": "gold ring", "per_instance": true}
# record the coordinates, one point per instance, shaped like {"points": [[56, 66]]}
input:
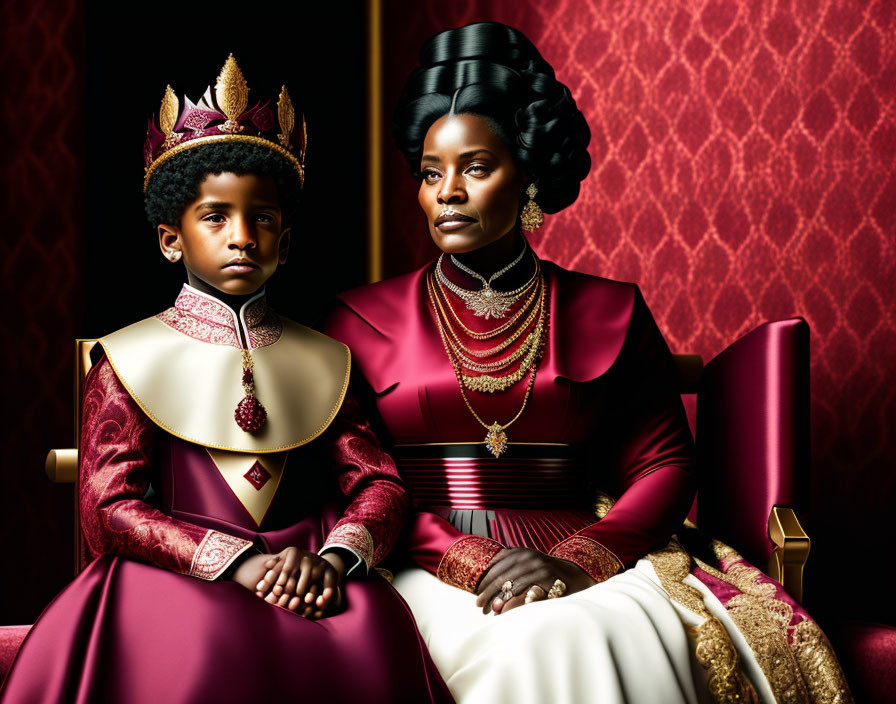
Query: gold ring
{"points": [[535, 593], [507, 590], [558, 589]]}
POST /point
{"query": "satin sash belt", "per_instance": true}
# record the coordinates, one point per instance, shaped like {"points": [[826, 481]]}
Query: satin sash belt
{"points": [[467, 477]]}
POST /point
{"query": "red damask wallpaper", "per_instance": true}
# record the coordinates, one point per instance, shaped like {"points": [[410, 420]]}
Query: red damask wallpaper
{"points": [[42, 122], [743, 171]]}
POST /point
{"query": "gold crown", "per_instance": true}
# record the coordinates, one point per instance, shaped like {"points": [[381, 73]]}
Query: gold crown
{"points": [[224, 118]]}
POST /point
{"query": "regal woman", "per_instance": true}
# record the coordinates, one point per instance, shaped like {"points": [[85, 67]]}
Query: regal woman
{"points": [[516, 396], [221, 446]]}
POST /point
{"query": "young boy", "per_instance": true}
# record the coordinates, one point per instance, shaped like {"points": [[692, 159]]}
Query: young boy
{"points": [[241, 426]]}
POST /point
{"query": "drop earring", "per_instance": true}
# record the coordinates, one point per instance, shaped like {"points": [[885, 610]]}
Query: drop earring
{"points": [[532, 216]]}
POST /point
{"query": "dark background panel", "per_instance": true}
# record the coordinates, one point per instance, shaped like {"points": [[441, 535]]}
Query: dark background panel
{"points": [[317, 49], [79, 258]]}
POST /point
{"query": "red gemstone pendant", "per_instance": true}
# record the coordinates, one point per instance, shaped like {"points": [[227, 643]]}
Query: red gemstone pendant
{"points": [[250, 414]]}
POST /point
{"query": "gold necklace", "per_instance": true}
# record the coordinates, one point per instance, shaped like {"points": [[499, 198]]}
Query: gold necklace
{"points": [[494, 350], [488, 334], [486, 383], [486, 302], [498, 364], [491, 384], [495, 436]]}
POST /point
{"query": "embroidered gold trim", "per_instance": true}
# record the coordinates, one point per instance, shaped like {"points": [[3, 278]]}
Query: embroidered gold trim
{"points": [[208, 139], [602, 504], [803, 670], [714, 649], [819, 665], [597, 560], [465, 561]]}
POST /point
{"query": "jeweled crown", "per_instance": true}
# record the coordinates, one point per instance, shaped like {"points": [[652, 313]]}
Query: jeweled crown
{"points": [[225, 117]]}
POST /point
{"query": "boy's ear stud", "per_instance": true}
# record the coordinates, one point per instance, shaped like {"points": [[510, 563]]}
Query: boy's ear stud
{"points": [[173, 256]]}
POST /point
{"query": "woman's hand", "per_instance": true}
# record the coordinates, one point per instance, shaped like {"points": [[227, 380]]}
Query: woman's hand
{"points": [[525, 568], [303, 581]]}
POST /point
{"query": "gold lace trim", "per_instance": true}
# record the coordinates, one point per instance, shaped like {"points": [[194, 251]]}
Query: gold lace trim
{"points": [[714, 649], [464, 562], [598, 561], [802, 670]]}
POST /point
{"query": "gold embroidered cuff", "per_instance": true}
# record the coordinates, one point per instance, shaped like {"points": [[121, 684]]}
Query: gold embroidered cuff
{"points": [[465, 561], [590, 555], [355, 537], [215, 554]]}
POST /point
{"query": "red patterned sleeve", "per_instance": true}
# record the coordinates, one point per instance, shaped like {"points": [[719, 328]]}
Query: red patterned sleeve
{"points": [[368, 477], [115, 457], [650, 452]]}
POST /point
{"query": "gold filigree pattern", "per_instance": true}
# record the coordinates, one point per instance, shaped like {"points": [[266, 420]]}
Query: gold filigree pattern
{"points": [[354, 536], [714, 649], [215, 553], [231, 90], [819, 665], [168, 111], [796, 658], [590, 555], [602, 504], [304, 148], [286, 114], [465, 561]]}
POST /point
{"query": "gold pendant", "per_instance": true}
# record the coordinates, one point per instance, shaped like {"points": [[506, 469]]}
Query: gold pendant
{"points": [[496, 439], [489, 303]]}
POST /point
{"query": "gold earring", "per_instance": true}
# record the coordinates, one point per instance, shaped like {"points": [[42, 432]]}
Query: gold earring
{"points": [[532, 216]]}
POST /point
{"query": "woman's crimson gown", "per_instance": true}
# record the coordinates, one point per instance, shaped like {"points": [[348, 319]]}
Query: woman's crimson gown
{"points": [[604, 434], [171, 495]]}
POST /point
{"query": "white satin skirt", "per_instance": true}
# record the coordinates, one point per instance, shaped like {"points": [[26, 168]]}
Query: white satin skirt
{"points": [[623, 640]]}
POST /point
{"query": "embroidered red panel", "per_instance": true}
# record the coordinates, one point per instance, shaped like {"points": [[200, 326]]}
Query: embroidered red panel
{"points": [[464, 562], [590, 555]]}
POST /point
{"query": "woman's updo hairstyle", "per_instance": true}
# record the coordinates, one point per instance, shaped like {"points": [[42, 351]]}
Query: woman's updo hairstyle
{"points": [[492, 70]]}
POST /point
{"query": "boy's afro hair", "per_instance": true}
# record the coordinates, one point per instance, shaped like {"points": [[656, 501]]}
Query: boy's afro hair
{"points": [[175, 184]]}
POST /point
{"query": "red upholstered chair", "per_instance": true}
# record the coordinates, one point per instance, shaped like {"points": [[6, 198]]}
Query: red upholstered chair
{"points": [[752, 431], [753, 448]]}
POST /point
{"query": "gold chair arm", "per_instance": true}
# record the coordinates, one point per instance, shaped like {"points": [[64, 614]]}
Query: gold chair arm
{"points": [[791, 552], [61, 466]]}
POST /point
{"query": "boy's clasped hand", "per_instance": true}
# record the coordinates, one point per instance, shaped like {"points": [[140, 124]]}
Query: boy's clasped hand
{"points": [[299, 580]]}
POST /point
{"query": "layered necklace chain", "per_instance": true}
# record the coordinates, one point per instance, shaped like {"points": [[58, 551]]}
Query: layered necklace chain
{"points": [[487, 302], [520, 342]]}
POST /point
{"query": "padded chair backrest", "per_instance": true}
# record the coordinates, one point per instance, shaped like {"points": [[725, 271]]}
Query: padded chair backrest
{"points": [[753, 435]]}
